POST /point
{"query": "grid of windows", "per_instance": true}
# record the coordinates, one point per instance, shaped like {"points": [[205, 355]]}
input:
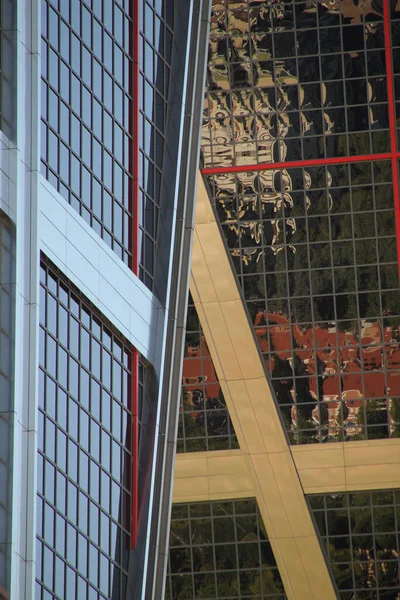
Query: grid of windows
{"points": [[204, 422], [314, 247], [221, 550], [294, 81], [395, 39], [315, 253], [7, 284], [360, 535], [87, 112], [7, 300], [8, 67], [156, 34], [84, 458]]}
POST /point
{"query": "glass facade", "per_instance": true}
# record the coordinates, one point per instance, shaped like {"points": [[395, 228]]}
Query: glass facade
{"points": [[360, 535], [204, 422], [84, 489], [296, 151], [7, 347], [294, 81], [156, 35], [8, 68], [87, 108], [221, 550]]}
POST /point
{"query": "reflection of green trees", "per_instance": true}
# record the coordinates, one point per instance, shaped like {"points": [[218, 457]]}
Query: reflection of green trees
{"points": [[373, 420], [395, 416], [341, 416], [368, 539], [210, 557]]}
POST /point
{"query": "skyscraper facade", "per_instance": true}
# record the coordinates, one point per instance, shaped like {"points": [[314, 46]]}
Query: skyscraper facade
{"points": [[100, 123], [290, 378], [255, 144]]}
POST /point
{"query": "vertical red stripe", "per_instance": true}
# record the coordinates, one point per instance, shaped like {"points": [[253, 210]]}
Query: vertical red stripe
{"points": [[392, 120], [135, 139], [135, 445], [135, 114]]}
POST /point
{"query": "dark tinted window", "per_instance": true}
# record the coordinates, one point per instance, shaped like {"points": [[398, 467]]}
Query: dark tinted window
{"points": [[360, 536], [221, 550], [204, 422]]}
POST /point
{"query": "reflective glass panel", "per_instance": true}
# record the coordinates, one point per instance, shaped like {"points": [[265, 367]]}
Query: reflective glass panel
{"points": [[360, 536], [204, 422], [221, 550], [85, 455]]}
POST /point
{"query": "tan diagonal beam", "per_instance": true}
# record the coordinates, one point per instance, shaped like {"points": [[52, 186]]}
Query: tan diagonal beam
{"points": [[252, 409], [322, 469]]}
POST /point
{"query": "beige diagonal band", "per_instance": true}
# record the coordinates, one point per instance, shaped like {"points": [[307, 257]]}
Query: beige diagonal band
{"points": [[270, 466]]}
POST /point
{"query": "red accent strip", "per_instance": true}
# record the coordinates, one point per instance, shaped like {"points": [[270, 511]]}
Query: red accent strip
{"points": [[135, 446], [135, 140], [340, 160], [392, 121]]}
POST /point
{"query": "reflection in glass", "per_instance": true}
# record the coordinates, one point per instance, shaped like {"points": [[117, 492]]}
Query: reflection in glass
{"points": [[294, 80], [359, 533], [204, 422], [220, 550], [314, 252]]}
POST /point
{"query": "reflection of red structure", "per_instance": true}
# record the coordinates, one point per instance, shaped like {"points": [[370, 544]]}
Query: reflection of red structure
{"points": [[339, 365], [348, 368], [198, 370]]}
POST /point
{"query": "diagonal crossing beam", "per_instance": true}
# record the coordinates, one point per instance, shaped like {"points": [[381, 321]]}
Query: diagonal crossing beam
{"points": [[252, 409]]}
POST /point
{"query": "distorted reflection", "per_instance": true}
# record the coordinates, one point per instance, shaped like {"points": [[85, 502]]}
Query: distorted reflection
{"points": [[359, 535], [221, 550], [315, 253], [204, 422], [294, 80]]}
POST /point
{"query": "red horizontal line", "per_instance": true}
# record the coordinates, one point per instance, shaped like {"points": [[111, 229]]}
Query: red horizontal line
{"points": [[291, 164]]}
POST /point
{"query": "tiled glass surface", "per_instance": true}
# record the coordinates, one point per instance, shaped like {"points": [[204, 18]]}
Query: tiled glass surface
{"points": [[315, 254], [221, 550], [7, 299], [86, 132], [395, 38], [7, 344], [360, 535], [156, 34], [204, 422], [294, 81], [84, 458], [8, 68]]}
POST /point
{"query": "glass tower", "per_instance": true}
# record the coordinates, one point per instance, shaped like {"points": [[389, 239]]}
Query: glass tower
{"points": [[199, 299], [100, 109], [296, 290]]}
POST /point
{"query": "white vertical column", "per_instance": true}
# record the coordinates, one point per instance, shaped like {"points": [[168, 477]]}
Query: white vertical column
{"points": [[24, 206]]}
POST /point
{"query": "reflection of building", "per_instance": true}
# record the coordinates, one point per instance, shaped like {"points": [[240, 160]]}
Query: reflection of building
{"points": [[204, 421], [343, 375], [295, 278]]}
